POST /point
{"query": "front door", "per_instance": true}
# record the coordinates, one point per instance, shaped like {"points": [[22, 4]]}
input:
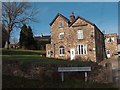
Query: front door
{"points": [[108, 53], [72, 54]]}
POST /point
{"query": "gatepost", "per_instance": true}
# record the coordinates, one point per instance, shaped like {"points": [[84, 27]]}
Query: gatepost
{"points": [[109, 72]]}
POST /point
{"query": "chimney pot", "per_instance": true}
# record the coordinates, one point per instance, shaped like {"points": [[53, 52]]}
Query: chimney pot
{"points": [[72, 17]]}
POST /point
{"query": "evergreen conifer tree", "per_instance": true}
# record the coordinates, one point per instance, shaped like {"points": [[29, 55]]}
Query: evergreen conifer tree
{"points": [[23, 37], [26, 38]]}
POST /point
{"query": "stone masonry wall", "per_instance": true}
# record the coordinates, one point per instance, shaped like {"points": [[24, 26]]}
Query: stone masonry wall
{"points": [[100, 45], [92, 37], [88, 30], [112, 46], [48, 72]]}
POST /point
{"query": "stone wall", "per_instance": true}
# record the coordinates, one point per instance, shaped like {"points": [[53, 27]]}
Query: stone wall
{"points": [[111, 45], [88, 30], [99, 45], [118, 47], [92, 37], [29, 70], [49, 72]]}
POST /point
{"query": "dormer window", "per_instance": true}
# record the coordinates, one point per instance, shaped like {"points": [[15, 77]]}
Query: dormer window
{"points": [[60, 24]]}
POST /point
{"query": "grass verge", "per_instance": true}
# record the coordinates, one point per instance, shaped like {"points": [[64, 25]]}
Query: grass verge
{"points": [[19, 82], [22, 52], [44, 61]]}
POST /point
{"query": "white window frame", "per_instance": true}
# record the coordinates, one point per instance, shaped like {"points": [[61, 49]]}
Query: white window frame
{"points": [[82, 49], [61, 51], [107, 51], [80, 34], [49, 53], [112, 39], [61, 35]]}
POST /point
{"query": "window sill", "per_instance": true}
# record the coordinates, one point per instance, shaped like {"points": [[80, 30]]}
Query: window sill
{"points": [[81, 54], [62, 55], [61, 39], [80, 39], [49, 56], [110, 42], [60, 27]]}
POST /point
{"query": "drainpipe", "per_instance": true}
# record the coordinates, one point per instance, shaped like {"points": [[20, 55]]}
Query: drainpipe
{"points": [[54, 50]]}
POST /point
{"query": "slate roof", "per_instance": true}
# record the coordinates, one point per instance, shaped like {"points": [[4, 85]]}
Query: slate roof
{"points": [[41, 38], [82, 19], [71, 23]]}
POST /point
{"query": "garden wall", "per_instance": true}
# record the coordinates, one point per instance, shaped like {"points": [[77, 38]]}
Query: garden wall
{"points": [[49, 72]]}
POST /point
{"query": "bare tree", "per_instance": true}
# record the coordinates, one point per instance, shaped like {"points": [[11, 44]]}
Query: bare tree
{"points": [[15, 41], [15, 14]]}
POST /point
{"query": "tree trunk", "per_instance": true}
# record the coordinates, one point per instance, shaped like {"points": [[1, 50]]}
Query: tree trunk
{"points": [[7, 44]]}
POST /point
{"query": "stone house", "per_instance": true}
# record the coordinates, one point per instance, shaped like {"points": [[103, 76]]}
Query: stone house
{"points": [[76, 38], [119, 47], [42, 41], [42, 38], [111, 44]]}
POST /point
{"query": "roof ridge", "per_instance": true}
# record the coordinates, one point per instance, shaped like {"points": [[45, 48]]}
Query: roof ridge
{"points": [[59, 14], [82, 19]]}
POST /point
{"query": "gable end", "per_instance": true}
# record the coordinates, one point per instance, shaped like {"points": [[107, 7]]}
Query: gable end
{"points": [[82, 19], [66, 19]]}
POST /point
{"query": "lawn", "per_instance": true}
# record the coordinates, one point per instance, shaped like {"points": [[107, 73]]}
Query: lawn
{"points": [[22, 52], [45, 61], [34, 56]]}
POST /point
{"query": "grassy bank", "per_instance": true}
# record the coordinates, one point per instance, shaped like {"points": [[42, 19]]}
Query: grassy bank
{"points": [[44, 61], [22, 52], [34, 56]]}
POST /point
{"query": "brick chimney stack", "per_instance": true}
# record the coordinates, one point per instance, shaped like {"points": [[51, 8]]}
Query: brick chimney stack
{"points": [[41, 34], [72, 17]]}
